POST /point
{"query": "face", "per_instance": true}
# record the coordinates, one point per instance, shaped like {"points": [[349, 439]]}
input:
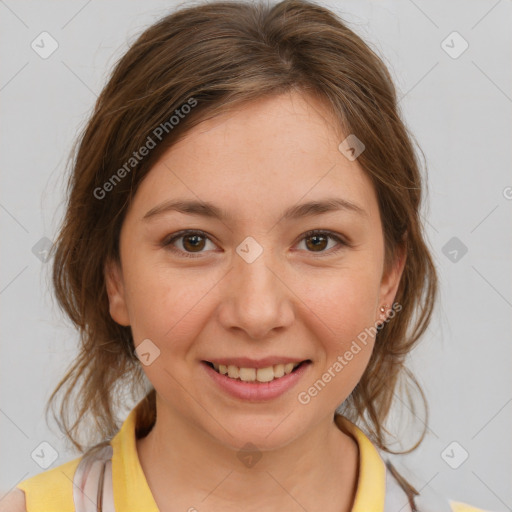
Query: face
{"points": [[243, 284]]}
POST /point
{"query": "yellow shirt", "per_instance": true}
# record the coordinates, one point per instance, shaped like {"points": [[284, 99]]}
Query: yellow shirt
{"points": [[52, 490]]}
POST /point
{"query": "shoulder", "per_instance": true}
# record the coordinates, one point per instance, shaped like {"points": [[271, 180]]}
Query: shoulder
{"points": [[13, 502], [457, 506], [50, 490], [399, 491]]}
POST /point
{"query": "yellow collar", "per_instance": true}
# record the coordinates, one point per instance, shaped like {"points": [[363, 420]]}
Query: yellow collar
{"points": [[371, 483], [131, 490]]}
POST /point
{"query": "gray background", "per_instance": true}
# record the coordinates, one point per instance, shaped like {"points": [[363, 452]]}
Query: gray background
{"points": [[459, 109]]}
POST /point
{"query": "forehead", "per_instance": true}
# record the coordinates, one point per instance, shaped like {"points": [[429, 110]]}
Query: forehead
{"points": [[260, 158]]}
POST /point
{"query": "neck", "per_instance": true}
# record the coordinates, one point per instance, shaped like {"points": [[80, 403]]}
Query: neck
{"points": [[317, 471]]}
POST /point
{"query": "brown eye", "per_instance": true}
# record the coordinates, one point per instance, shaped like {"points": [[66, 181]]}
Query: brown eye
{"points": [[193, 242], [187, 243], [319, 241], [316, 242]]}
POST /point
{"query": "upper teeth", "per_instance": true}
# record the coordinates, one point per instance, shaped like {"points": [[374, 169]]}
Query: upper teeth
{"points": [[256, 374]]}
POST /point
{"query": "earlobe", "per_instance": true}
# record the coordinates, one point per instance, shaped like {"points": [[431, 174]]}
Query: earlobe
{"points": [[116, 293], [390, 282]]}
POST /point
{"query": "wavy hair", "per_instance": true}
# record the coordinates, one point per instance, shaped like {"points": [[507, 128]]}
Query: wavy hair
{"points": [[223, 54]]}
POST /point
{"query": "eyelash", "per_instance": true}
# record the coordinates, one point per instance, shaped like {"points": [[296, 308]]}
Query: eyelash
{"points": [[167, 242]]}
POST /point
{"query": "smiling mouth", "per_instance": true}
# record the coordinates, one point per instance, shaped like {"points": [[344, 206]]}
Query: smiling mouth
{"points": [[267, 374]]}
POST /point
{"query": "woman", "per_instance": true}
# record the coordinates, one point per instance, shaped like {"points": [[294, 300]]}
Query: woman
{"points": [[242, 250]]}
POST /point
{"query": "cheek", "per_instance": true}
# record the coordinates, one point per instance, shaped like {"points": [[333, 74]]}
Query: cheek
{"points": [[165, 304], [341, 312], [344, 300]]}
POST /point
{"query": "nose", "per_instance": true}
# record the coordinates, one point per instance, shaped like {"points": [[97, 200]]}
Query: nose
{"points": [[256, 299]]}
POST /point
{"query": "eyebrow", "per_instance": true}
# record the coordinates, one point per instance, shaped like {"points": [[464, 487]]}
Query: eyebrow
{"points": [[206, 209]]}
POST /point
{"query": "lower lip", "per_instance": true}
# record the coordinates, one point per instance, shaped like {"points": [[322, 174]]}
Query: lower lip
{"points": [[256, 391]]}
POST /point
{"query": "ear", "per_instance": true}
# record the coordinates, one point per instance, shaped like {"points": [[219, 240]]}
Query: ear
{"points": [[391, 280], [116, 293]]}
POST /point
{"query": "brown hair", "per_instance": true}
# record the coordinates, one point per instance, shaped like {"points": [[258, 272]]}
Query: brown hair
{"points": [[217, 56]]}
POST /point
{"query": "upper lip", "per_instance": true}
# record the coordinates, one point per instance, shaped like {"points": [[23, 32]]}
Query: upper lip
{"points": [[247, 362]]}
